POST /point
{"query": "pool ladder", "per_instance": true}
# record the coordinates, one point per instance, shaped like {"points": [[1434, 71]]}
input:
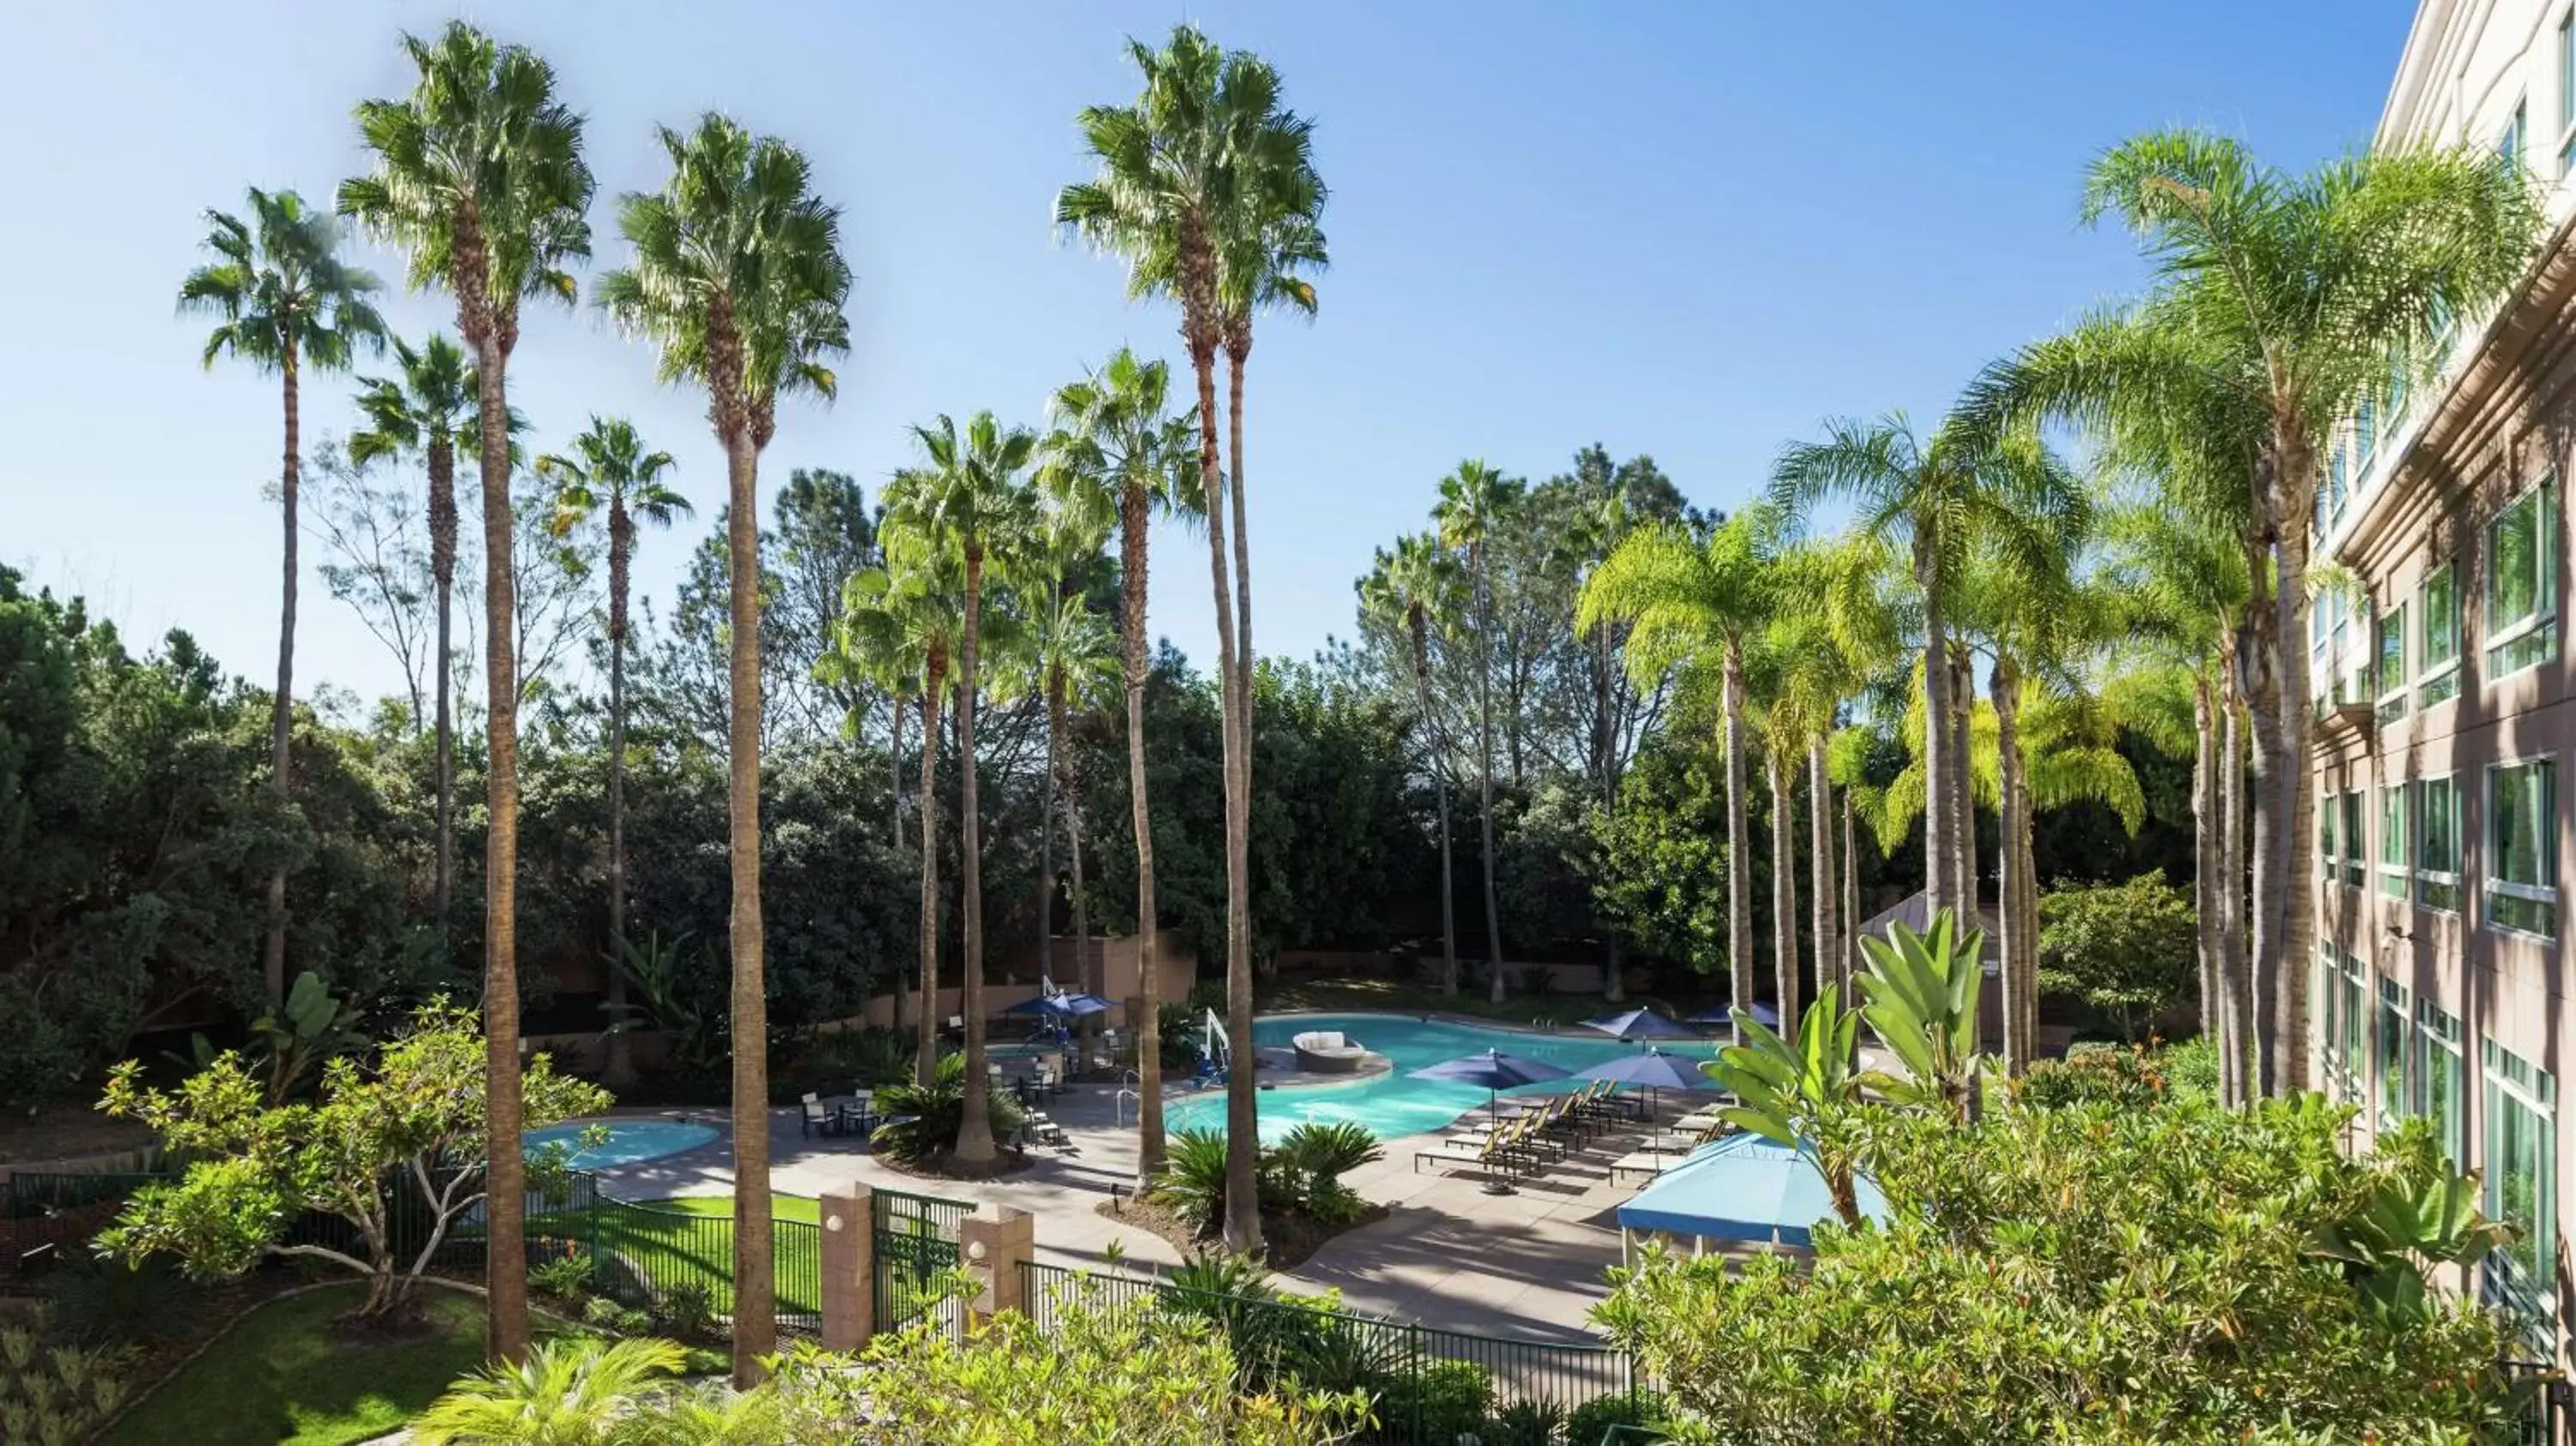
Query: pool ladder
{"points": [[1127, 1095]]}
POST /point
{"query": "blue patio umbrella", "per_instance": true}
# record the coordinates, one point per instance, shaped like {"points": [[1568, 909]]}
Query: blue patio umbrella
{"points": [[1494, 1070], [1060, 1006], [1640, 1024], [1653, 1069], [1716, 1014], [1743, 1188]]}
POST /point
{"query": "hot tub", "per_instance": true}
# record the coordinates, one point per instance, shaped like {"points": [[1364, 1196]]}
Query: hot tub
{"points": [[1328, 1051]]}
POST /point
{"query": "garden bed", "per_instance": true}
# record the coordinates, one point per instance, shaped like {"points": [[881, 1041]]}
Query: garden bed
{"points": [[1288, 1242]]}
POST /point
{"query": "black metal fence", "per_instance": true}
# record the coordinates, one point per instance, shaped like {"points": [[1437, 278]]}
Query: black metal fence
{"points": [[915, 1246], [1427, 1385]]}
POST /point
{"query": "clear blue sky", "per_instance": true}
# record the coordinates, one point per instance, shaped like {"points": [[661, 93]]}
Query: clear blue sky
{"points": [[1688, 229]]}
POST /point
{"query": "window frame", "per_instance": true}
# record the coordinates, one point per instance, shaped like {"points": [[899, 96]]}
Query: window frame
{"points": [[2392, 695], [2543, 617], [2396, 856], [2394, 1055], [2431, 672], [2437, 1032], [2566, 35], [2509, 1079], [2428, 879], [2356, 842], [2492, 884]]}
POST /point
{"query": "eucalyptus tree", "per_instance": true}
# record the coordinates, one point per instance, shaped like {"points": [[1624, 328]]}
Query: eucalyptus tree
{"points": [[1116, 446], [1689, 597], [609, 471], [284, 301], [478, 175], [735, 273], [1476, 502], [428, 411], [905, 621], [1409, 592], [973, 497], [2281, 301]]}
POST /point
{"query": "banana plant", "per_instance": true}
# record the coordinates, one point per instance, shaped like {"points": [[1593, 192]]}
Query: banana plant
{"points": [[288, 1048], [2412, 1223], [1799, 1094], [1922, 991]]}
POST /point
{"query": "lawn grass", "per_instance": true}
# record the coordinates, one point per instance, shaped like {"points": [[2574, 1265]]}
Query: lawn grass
{"points": [[689, 1238], [280, 1376]]}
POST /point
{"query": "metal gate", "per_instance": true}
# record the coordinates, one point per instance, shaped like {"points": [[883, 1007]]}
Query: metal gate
{"points": [[916, 1249]]}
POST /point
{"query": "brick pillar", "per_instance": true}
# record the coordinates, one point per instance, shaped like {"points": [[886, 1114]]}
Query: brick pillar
{"points": [[849, 1266], [993, 1244]]}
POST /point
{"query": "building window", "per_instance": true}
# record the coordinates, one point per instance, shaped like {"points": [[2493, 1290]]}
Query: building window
{"points": [[2522, 848], [2356, 847], [2327, 991], [2511, 145], [2439, 680], [2522, 582], [2329, 814], [2338, 478], [2365, 433], [2392, 841], [2356, 1029], [2394, 1047], [2522, 1180], [2440, 1077], [2392, 664], [2437, 844], [2567, 89]]}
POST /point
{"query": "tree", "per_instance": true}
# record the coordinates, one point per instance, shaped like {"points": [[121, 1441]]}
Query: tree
{"points": [[401, 1126], [608, 469], [2281, 301], [1404, 594], [2125, 949], [376, 563], [736, 275], [428, 411], [1475, 502], [1117, 445], [479, 176], [1922, 991], [1698, 601], [1067, 664], [1799, 1092], [286, 302], [974, 499]]}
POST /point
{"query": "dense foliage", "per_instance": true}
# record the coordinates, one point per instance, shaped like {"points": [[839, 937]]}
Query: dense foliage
{"points": [[2131, 951], [2092, 1274]]}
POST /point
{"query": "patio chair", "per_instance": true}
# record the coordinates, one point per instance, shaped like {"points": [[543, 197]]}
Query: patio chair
{"points": [[1046, 1129], [1497, 1153], [819, 1120], [860, 1113]]}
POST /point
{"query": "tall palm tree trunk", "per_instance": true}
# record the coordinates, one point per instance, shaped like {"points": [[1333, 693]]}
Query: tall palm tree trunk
{"points": [[1940, 886], [1086, 959], [894, 756], [1784, 891], [1851, 900], [1495, 983], [2204, 854], [2235, 974], [1046, 828], [1820, 862], [1739, 841], [2286, 1039], [925, 1059], [975, 1128], [2026, 860], [442, 571], [281, 725], [1132, 559], [2003, 684], [1963, 816], [755, 1301], [505, 1272], [621, 547], [2272, 845], [1438, 755]]}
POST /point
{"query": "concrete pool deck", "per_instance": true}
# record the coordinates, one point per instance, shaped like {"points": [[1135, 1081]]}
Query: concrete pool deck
{"points": [[1527, 1264]]}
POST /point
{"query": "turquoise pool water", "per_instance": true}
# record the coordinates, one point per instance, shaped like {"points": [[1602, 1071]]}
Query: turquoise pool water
{"points": [[628, 1141], [1393, 1104]]}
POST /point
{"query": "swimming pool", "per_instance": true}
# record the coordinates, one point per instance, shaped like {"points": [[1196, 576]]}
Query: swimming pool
{"points": [[628, 1142], [1394, 1104]]}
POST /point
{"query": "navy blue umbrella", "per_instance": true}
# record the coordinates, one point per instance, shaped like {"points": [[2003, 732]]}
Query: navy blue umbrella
{"points": [[1640, 1024], [1494, 1070], [1060, 1006], [1654, 1069], [1717, 1015]]}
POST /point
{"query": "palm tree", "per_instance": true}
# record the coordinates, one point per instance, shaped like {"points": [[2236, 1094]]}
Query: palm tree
{"points": [[609, 469], [2282, 300], [572, 1391], [1067, 658], [737, 275], [479, 176], [974, 499], [1684, 598], [285, 302], [428, 411], [1117, 446], [1407, 590], [1180, 194], [906, 621], [1475, 502]]}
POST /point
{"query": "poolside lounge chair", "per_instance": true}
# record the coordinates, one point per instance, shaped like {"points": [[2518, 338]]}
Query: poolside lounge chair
{"points": [[1500, 1152], [1642, 1162]]}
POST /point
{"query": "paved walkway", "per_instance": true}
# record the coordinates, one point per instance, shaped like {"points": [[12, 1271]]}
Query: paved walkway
{"points": [[1526, 1264]]}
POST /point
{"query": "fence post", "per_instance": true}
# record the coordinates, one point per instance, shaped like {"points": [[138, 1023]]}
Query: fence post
{"points": [[993, 1243], [849, 1248]]}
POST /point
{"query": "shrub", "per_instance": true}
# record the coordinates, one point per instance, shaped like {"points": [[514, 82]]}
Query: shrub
{"points": [[2131, 950], [566, 1277], [2125, 1076], [1193, 1179], [54, 1396], [1299, 1175], [688, 1308], [1591, 1421], [102, 1301], [1527, 1423], [2191, 1068], [936, 1109], [1440, 1402]]}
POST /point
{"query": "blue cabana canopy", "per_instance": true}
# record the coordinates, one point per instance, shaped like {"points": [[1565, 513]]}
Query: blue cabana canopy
{"points": [[1743, 1188], [1641, 1024]]}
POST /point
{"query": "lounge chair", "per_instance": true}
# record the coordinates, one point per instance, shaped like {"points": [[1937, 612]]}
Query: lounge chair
{"points": [[1500, 1151], [1641, 1162]]}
